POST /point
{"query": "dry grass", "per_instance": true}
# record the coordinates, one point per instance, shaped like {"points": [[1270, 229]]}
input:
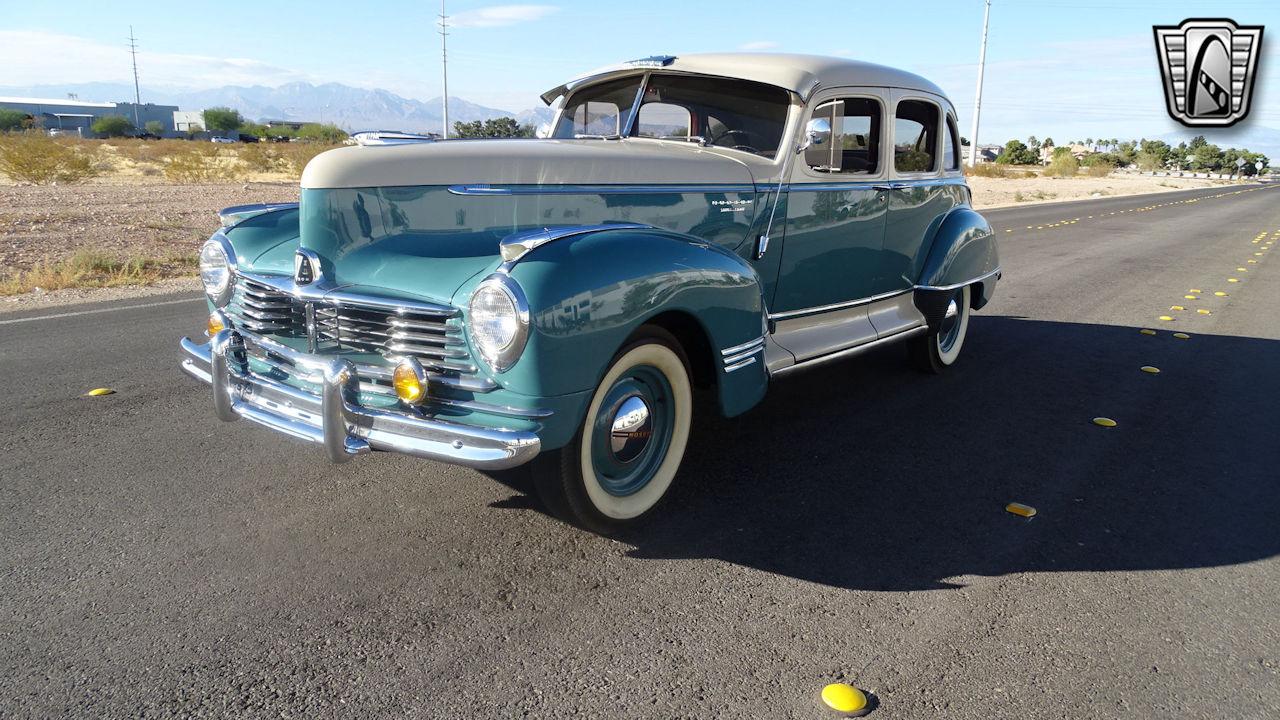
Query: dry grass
{"points": [[39, 159], [89, 268], [998, 170]]}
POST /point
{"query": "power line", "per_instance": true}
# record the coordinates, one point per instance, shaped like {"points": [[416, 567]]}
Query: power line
{"points": [[137, 93]]}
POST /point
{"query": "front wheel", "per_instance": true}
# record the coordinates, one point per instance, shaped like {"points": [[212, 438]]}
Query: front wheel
{"points": [[630, 444], [937, 350]]}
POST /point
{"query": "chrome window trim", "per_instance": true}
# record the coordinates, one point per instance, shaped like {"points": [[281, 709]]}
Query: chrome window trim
{"points": [[882, 97], [898, 97]]}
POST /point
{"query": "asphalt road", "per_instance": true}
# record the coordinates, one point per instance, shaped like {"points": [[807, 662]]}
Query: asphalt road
{"points": [[156, 562]]}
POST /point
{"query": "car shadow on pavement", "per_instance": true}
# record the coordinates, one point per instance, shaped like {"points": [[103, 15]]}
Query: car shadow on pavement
{"points": [[865, 474]]}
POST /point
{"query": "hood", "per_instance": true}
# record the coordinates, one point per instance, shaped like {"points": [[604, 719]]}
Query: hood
{"points": [[527, 162]]}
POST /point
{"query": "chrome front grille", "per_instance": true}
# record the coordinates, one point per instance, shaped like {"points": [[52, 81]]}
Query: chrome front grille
{"points": [[340, 321], [264, 309], [434, 338]]}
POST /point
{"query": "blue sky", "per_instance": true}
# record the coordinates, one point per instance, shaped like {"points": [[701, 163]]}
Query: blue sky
{"points": [[1060, 68]]}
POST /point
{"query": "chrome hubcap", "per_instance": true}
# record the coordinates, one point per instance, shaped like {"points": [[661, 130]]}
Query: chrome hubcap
{"points": [[950, 329], [630, 430]]}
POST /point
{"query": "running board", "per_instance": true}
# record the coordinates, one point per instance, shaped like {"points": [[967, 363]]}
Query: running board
{"points": [[850, 352]]}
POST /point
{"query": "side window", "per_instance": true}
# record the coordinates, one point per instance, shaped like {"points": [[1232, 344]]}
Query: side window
{"points": [[855, 137], [951, 146], [663, 120], [915, 136]]}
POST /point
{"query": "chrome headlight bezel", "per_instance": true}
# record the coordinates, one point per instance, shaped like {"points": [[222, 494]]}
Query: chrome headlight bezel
{"points": [[499, 357], [217, 255]]}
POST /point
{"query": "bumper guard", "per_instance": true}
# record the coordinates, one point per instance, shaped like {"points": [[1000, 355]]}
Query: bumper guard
{"points": [[335, 419]]}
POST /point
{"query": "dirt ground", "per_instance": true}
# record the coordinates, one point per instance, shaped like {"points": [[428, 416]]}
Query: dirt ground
{"points": [[1002, 192]]}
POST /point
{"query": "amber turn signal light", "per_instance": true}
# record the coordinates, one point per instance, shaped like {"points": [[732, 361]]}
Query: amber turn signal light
{"points": [[410, 381], [215, 325]]}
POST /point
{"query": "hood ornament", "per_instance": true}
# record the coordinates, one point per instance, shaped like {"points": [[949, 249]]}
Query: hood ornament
{"points": [[306, 267]]}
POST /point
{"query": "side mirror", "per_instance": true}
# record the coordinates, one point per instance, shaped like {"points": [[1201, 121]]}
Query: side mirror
{"points": [[543, 131], [816, 132]]}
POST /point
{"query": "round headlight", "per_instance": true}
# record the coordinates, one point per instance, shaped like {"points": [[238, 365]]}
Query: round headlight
{"points": [[499, 321], [215, 272]]}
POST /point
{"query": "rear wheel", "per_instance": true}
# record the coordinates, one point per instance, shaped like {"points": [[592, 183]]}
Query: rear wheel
{"points": [[631, 441], [940, 348]]}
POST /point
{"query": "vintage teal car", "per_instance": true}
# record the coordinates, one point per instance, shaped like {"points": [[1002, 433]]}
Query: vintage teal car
{"points": [[714, 221]]}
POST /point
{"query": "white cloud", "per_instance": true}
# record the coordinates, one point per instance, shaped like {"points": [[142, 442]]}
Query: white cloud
{"points": [[758, 45], [37, 58], [500, 15]]}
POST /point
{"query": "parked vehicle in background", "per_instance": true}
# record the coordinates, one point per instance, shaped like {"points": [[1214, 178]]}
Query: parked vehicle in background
{"points": [[714, 221], [220, 139]]}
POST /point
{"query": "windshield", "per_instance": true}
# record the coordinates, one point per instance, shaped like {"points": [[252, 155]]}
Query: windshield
{"points": [[738, 114]]}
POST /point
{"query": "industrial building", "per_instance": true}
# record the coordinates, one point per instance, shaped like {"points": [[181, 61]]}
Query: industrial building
{"points": [[77, 116]]}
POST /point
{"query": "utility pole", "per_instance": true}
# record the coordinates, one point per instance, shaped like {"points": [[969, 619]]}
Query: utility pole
{"points": [[444, 65], [137, 94], [977, 98]]}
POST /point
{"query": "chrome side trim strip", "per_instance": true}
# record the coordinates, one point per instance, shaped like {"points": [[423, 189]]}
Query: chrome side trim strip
{"points": [[958, 285], [517, 245], [850, 352], [741, 364], [875, 298], [836, 306], [739, 348], [484, 190], [734, 359]]}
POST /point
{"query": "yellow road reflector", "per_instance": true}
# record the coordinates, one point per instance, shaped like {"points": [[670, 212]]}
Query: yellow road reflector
{"points": [[96, 392], [845, 699], [1202, 311], [1219, 293], [1176, 307], [1240, 269], [1195, 290], [1253, 262], [1232, 280], [1104, 422], [1182, 336], [1258, 254], [1025, 511], [1147, 331], [1165, 317], [1191, 297], [1149, 369]]}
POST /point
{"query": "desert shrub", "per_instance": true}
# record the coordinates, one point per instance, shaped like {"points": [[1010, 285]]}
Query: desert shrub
{"points": [[988, 170], [261, 157], [297, 155], [222, 119], [36, 158], [1062, 165], [89, 268], [199, 163], [1098, 169]]}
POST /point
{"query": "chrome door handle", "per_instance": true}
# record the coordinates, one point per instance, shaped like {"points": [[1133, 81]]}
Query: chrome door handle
{"points": [[891, 186], [882, 187]]}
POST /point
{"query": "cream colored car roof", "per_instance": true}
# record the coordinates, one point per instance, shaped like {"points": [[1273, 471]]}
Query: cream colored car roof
{"points": [[797, 73]]}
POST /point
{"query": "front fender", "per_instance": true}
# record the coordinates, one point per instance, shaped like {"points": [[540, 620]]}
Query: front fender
{"points": [[588, 293], [265, 241], [963, 251]]}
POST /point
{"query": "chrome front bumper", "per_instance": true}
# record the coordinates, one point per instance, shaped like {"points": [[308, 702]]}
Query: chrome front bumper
{"points": [[335, 419]]}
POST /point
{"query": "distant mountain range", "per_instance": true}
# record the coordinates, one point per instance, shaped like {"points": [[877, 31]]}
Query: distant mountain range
{"points": [[348, 107]]}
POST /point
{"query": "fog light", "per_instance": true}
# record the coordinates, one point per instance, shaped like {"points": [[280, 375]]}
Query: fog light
{"points": [[410, 381], [216, 324]]}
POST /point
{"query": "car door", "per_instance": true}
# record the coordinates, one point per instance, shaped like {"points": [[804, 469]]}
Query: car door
{"points": [[835, 227], [926, 184]]}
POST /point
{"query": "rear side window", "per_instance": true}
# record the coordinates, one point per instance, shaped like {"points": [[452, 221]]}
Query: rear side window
{"points": [[915, 136], [855, 137], [951, 146]]}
